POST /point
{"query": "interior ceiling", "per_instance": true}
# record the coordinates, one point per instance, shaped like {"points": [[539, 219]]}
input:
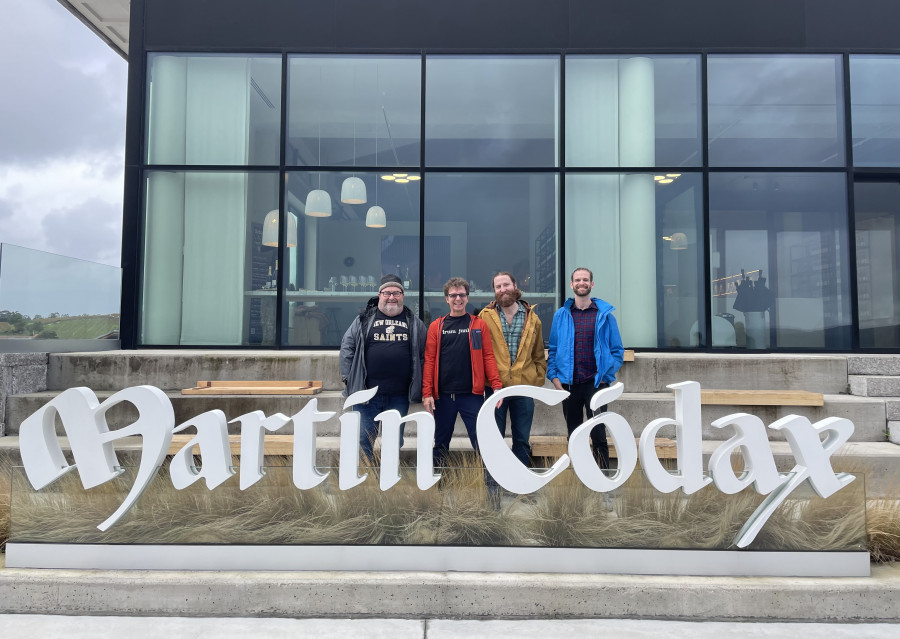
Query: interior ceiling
{"points": [[107, 18]]}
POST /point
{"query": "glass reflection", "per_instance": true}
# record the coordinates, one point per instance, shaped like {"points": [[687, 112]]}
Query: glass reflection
{"points": [[492, 111], [775, 110], [779, 260], [878, 263], [641, 235], [633, 111], [205, 258], [339, 259], [354, 110], [479, 224], [213, 109], [875, 109]]}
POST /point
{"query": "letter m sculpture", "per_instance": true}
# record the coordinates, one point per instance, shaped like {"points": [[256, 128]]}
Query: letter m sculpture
{"points": [[84, 421]]}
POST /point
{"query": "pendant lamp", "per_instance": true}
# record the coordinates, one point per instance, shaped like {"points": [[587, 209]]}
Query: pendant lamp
{"points": [[353, 191], [270, 229], [375, 218], [318, 202]]}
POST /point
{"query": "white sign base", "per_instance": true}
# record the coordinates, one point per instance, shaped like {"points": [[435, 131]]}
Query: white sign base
{"points": [[614, 561]]}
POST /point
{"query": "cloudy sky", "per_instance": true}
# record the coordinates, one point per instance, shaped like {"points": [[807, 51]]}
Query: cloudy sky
{"points": [[62, 134]]}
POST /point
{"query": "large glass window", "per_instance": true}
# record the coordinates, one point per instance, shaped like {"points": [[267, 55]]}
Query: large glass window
{"points": [[640, 234], [633, 111], [213, 109], [204, 256], [779, 259], [477, 224], [354, 110], [775, 110], [490, 111], [878, 263], [875, 109], [337, 252]]}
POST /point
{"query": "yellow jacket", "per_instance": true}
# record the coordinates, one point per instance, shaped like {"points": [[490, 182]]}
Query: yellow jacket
{"points": [[530, 366]]}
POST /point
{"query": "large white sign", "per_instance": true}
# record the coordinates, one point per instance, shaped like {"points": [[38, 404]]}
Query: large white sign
{"points": [[84, 419]]}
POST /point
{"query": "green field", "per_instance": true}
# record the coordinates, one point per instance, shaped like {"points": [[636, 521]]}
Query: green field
{"points": [[82, 327]]}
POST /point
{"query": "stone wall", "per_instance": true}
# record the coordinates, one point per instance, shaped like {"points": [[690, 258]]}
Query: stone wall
{"points": [[20, 373]]}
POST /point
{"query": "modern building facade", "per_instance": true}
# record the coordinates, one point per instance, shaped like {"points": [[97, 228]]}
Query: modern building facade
{"points": [[729, 171]]}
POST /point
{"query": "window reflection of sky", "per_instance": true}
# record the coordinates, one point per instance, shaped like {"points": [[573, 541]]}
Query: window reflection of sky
{"points": [[39, 283]]}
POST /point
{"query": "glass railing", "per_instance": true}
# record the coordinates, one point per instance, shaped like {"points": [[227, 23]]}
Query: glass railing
{"points": [[462, 509], [53, 303]]}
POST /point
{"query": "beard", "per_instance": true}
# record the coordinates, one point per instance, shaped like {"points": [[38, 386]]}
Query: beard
{"points": [[582, 289], [507, 298]]}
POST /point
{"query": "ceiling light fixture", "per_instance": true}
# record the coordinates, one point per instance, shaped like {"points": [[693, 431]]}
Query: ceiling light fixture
{"points": [[353, 190], [270, 229], [318, 202]]}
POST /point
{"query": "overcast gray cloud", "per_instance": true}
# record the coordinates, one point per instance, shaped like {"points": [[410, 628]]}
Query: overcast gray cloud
{"points": [[89, 230], [62, 126], [63, 88]]}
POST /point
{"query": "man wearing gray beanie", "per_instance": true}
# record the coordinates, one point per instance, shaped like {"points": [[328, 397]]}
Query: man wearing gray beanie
{"points": [[384, 347]]}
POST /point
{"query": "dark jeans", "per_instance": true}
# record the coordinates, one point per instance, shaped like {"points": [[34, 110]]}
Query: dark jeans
{"points": [[446, 408], [521, 414], [576, 406], [368, 429]]}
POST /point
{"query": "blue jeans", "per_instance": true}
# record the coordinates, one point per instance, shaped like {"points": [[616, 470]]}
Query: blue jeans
{"points": [[368, 430], [446, 408], [521, 414]]}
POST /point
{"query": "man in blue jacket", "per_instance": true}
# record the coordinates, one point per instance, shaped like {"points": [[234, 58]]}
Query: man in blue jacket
{"points": [[585, 352]]}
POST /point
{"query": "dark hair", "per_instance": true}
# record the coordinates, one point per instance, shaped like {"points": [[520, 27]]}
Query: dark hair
{"points": [[455, 282], [507, 274], [582, 268]]}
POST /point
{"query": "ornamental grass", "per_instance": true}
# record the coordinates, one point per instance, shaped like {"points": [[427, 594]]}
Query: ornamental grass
{"points": [[462, 509]]}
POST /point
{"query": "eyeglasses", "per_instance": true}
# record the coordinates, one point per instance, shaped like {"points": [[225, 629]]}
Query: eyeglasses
{"points": [[391, 293], [457, 295]]}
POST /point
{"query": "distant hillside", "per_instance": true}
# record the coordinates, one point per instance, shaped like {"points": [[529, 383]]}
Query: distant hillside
{"points": [[81, 327]]}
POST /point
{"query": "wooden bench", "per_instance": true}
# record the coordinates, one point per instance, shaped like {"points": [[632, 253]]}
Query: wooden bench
{"points": [[255, 387], [716, 397], [273, 444], [556, 445]]}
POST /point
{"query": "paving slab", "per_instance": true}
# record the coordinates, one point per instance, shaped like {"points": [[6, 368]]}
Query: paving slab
{"points": [[81, 627]]}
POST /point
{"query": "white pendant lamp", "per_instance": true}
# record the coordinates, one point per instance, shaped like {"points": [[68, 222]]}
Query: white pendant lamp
{"points": [[318, 203], [353, 191], [270, 229], [375, 218]]}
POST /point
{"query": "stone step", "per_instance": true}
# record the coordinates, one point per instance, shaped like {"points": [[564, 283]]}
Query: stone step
{"points": [[648, 373], [174, 370], [867, 413], [873, 365], [878, 461], [874, 385], [652, 372]]}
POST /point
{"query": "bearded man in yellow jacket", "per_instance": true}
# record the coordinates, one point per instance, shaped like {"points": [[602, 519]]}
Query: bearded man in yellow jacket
{"points": [[518, 343]]}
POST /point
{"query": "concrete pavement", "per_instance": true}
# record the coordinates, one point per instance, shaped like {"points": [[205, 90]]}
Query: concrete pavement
{"points": [[275, 628]]}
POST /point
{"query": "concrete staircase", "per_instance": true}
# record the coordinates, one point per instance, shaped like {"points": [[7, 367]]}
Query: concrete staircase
{"points": [[878, 376], [874, 405], [646, 396]]}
